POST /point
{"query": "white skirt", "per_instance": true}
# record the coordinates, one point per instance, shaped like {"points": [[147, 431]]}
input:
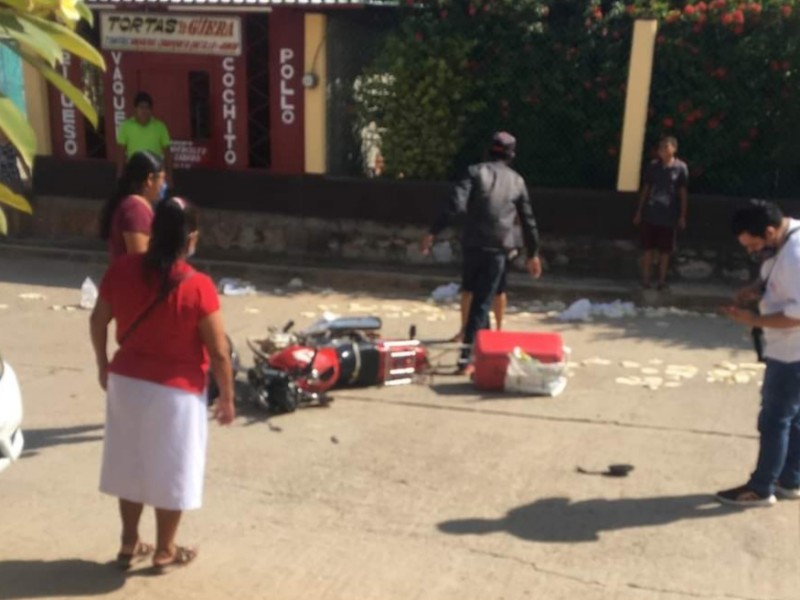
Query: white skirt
{"points": [[155, 444]]}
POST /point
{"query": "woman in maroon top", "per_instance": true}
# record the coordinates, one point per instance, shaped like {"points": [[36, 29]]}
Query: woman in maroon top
{"points": [[127, 216], [169, 331]]}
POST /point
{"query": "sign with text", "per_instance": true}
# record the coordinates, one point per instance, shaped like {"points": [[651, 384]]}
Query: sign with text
{"points": [[287, 95], [148, 32]]}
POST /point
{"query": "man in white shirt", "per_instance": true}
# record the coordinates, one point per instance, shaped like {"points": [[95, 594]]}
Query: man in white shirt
{"points": [[763, 229]]}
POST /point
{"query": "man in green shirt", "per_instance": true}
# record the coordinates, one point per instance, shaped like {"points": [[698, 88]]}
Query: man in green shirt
{"points": [[143, 132]]}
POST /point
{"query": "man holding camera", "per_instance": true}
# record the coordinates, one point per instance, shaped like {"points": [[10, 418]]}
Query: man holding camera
{"points": [[762, 229]]}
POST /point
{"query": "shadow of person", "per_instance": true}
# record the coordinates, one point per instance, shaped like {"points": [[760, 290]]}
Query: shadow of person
{"points": [[57, 579], [557, 520]]}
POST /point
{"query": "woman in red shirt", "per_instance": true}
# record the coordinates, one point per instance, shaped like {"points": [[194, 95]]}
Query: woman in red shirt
{"points": [[169, 328], [127, 217]]}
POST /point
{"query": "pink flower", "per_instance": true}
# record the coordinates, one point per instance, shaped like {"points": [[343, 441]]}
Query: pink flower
{"points": [[786, 10], [689, 10]]}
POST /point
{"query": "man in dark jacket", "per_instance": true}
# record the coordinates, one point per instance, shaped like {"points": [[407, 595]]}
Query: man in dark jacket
{"points": [[492, 197]]}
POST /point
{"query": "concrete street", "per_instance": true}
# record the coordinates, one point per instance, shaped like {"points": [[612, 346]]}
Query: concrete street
{"points": [[420, 492]]}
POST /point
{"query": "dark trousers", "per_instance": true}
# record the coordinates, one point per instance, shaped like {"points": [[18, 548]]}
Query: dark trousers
{"points": [[779, 425], [485, 269]]}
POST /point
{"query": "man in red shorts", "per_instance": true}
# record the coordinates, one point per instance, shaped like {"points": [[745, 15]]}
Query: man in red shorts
{"points": [[663, 205]]}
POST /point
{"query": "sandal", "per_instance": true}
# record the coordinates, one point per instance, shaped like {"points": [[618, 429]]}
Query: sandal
{"points": [[140, 552], [181, 557]]}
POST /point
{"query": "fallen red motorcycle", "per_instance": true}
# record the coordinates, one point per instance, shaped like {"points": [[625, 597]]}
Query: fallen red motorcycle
{"points": [[293, 369]]}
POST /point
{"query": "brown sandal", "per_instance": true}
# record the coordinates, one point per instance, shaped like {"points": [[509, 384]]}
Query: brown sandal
{"points": [[181, 557], [140, 552]]}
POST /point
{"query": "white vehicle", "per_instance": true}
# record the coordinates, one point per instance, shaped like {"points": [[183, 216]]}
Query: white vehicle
{"points": [[11, 441]]}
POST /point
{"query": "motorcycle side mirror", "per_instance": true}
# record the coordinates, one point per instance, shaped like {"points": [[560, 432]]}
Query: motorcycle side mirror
{"points": [[288, 326], [412, 332]]}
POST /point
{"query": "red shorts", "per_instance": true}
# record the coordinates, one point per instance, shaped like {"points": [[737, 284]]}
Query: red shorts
{"points": [[658, 237]]}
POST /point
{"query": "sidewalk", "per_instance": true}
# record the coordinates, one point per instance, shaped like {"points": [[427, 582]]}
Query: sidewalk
{"points": [[374, 277]]}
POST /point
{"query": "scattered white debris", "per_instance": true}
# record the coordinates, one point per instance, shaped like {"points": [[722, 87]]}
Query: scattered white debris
{"points": [[602, 362], [652, 383], [655, 361], [228, 286], [629, 364], [3, 306], [252, 311], [446, 293], [650, 371], [361, 308], [308, 315], [32, 296], [681, 371], [752, 366], [295, 284]]}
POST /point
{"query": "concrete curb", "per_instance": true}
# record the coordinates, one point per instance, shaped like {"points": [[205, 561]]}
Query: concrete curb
{"points": [[373, 278]]}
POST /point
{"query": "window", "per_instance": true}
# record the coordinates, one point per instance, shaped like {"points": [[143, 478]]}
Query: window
{"points": [[200, 104]]}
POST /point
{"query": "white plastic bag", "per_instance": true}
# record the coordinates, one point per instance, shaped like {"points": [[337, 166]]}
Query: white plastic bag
{"points": [[236, 287], [446, 293], [526, 375], [88, 294]]}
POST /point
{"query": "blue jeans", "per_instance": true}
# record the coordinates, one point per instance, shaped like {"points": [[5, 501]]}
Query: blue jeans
{"points": [[484, 269], [779, 425]]}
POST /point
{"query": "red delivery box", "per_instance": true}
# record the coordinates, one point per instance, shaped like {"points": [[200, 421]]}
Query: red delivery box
{"points": [[493, 347]]}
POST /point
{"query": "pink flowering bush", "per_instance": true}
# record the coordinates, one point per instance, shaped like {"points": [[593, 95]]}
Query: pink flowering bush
{"points": [[554, 73]]}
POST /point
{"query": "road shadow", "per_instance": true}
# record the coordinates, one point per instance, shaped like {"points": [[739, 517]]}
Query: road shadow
{"points": [[558, 520], [691, 332], [467, 389], [57, 579], [39, 439]]}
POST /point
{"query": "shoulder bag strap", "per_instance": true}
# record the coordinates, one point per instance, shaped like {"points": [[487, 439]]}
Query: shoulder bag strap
{"points": [[152, 306]]}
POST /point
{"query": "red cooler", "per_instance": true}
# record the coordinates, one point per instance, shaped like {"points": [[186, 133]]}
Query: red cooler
{"points": [[493, 347]]}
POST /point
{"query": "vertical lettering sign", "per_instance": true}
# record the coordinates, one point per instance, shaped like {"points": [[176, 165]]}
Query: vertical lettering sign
{"points": [[287, 106], [233, 138], [117, 91], [67, 123]]}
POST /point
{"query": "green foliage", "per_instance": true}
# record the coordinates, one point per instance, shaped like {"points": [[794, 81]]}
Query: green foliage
{"points": [[40, 31], [554, 73]]}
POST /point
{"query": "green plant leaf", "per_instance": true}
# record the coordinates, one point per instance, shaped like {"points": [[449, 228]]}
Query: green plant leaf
{"points": [[19, 29], [86, 13], [17, 129], [14, 200], [82, 103], [68, 40]]}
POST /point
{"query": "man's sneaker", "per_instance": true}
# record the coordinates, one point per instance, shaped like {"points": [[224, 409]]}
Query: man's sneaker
{"points": [[743, 496], [787, 493]]}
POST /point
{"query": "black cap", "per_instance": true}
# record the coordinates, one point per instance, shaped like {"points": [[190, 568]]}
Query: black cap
{"points": [[503, 144]]}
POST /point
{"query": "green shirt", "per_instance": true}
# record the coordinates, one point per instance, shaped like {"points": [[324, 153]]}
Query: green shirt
{"points": [[136, 137]]}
